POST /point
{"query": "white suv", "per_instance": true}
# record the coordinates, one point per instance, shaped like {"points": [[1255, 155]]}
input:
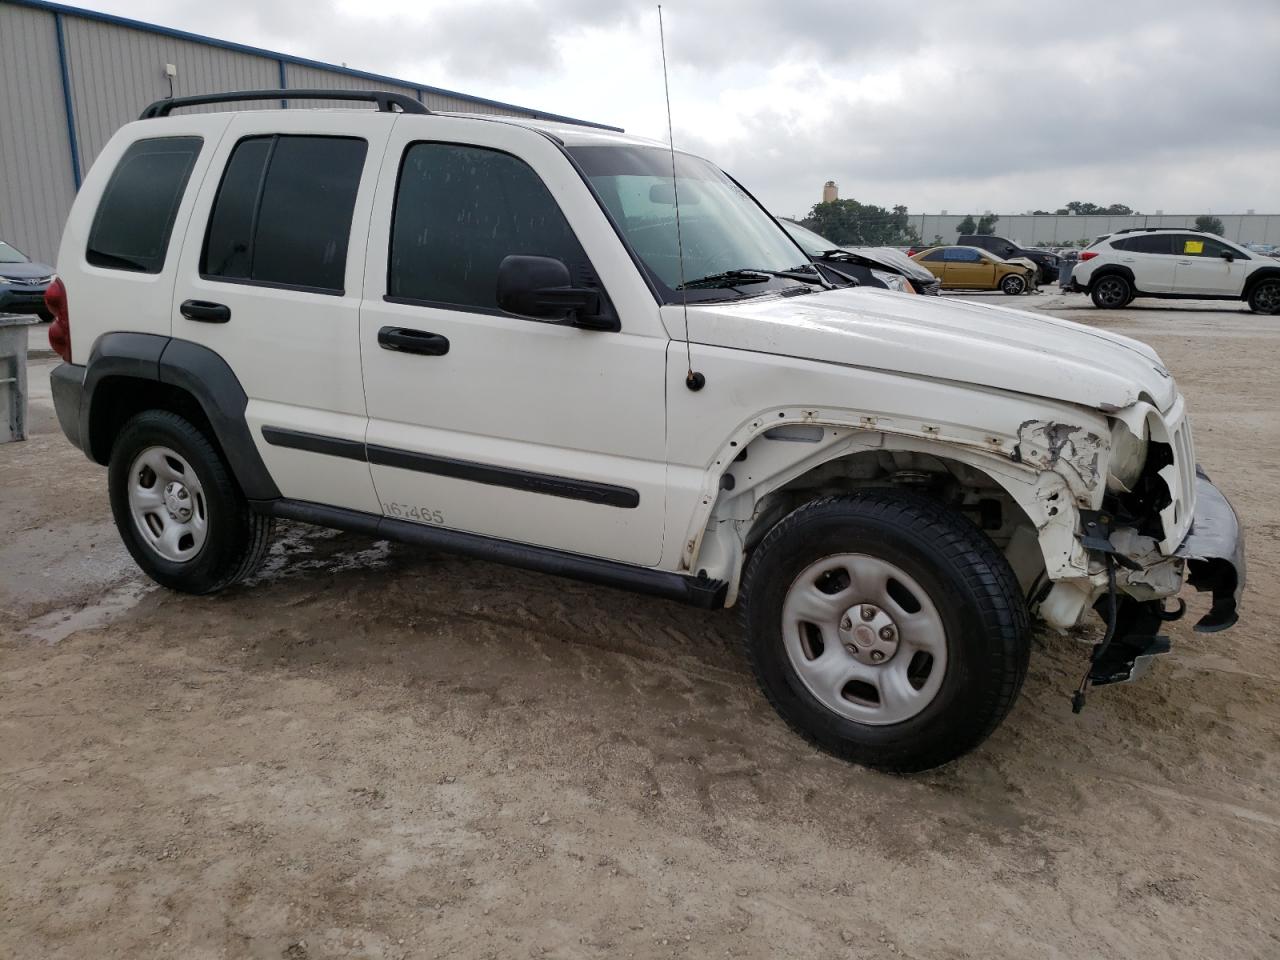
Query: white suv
{"points": [[1175, 263], [479, 334]]}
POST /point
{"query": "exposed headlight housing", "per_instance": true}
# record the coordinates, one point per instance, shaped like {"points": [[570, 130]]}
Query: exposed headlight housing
{"points": [[894, 281], [1128, 457]]}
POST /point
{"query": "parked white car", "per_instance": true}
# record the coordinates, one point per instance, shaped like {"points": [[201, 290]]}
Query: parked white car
{"points": [[477, 333], [1175, 263]]}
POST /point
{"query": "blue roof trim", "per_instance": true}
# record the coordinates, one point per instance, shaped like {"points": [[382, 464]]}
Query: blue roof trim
{"points": [[111, 18]]}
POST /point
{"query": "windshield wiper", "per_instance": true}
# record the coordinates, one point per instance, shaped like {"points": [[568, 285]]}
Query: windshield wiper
{"points": [[805, 273], [729, 278]]}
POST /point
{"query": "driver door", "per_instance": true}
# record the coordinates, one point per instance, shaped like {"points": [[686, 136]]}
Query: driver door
{"points": [[488, 422], [966, 268]]}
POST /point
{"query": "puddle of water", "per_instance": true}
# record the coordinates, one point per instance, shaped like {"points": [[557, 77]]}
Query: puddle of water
{"points": [[57, 625], [291, 555]]}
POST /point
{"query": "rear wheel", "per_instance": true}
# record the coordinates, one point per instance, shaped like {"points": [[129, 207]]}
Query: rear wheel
{"points": [[178, 509], [885, 628], [1112, 293], [1013, 284], [1265, 297]]}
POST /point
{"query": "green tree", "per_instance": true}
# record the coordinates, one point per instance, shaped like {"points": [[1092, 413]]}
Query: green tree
{"points": [[967, 226], [1209, 224], [1082, 209], [987, 225], [850, 223]]}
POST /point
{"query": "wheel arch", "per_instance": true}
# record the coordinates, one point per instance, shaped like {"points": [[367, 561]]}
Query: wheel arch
{"points": [[1029, 511], [131, 372], [1111, 270], [1257, 277]]}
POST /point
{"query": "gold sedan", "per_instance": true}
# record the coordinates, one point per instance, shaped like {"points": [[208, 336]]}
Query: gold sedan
{"points": [[971, 268]]}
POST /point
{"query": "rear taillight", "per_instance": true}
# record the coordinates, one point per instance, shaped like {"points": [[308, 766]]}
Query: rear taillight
{"points": [[1088, 255], [55, 301]]}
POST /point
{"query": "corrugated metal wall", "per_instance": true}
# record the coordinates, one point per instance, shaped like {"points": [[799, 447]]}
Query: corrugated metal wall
{"points": [[36, 184], [115, 70]]}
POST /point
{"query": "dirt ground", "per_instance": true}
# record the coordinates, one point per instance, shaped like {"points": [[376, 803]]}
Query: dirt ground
{"points": [[376, 751]]}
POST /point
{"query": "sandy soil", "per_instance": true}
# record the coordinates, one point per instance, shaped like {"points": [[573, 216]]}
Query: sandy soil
{"points": [[375, 751]]}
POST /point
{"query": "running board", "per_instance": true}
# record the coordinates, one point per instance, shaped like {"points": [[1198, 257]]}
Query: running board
{"points": [[694, 591]]}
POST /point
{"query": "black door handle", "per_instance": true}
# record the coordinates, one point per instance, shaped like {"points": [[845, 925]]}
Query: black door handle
{"points": [[404, 340], [205, 311]]}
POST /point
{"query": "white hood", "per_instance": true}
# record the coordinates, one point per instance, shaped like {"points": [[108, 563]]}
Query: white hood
{"points": [[941, 338]]}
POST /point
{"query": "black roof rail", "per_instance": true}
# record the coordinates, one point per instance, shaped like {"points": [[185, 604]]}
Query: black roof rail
{"points": [[385, 100], [1153, 229]]}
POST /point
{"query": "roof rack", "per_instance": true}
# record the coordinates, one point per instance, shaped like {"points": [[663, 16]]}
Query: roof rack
{"points": [[1153, 229], [386, 101]]}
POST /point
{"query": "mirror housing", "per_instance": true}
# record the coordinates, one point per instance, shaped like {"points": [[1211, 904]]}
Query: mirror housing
{"points": [[1227, 255], [541, 287]]}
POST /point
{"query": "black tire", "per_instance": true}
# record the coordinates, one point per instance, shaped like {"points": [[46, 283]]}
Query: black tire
{"points": [[237, 538], [1013, 284], [1112, 292], [966, 578], [1265, 297]]}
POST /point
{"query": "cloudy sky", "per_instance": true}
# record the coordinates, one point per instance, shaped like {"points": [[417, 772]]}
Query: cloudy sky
{"points": [[963, 106]]}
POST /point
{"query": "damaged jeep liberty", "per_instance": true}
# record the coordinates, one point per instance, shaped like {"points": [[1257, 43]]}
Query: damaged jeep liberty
{"points": [[486, 335]]}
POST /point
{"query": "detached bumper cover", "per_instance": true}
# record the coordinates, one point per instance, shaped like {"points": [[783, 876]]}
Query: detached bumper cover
{"points": [[1214, 551]]}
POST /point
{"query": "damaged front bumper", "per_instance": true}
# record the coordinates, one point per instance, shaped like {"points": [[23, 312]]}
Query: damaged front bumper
{"points": [[1213, 551]]}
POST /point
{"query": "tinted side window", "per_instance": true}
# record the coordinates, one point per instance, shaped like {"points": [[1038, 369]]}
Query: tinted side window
{"points": [[1191, 246], [1145, 243], [282, 215], [134, 220], [960, 255], [459, 211], [935, 256]]}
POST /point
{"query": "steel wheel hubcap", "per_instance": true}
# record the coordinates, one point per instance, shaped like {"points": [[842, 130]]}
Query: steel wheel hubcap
{"points": [[864, 638], [167, 503]]}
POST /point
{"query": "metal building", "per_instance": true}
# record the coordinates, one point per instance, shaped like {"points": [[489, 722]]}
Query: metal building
{"points": [[70, 77]]}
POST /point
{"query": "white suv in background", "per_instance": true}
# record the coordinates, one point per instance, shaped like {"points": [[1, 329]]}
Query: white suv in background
{"points": [[1175, 263]]}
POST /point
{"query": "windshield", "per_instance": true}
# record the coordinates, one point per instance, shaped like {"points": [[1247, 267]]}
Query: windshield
{"points": [[812, 244], [724, 230], [11, 254]]}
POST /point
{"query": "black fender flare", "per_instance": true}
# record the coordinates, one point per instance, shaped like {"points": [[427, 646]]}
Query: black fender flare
{"points": [[1255, 278], [196, 370], [1112, 270]]}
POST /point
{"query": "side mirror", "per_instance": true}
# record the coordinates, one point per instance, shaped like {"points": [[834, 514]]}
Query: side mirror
{"points": [[1227, 255], [541, 287]]}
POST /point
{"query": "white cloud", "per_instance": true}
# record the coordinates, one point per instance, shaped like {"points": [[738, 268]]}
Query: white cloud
{"points": [[1008, 107]]}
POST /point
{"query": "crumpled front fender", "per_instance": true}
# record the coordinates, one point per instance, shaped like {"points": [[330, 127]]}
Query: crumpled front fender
{"points": [[1214, 551]]}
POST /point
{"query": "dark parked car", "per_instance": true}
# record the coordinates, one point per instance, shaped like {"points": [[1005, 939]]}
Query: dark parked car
{"points": [[1046, 260], [22, 282], [872, 266]]}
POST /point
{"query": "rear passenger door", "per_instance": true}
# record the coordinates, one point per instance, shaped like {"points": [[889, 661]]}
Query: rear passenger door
{"points": [[1150, 257], [271, 278]]}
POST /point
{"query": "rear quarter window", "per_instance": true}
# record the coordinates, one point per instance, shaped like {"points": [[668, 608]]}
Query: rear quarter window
{"points": [[134, 220]]}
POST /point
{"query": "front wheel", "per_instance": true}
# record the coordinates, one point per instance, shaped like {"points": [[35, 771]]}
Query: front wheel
{"points": [[179, 511], [885, 628], [1013, 284], [1265, 297]]}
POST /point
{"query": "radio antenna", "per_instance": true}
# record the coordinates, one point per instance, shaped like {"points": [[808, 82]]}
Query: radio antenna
{"points": [[694, 381]]}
